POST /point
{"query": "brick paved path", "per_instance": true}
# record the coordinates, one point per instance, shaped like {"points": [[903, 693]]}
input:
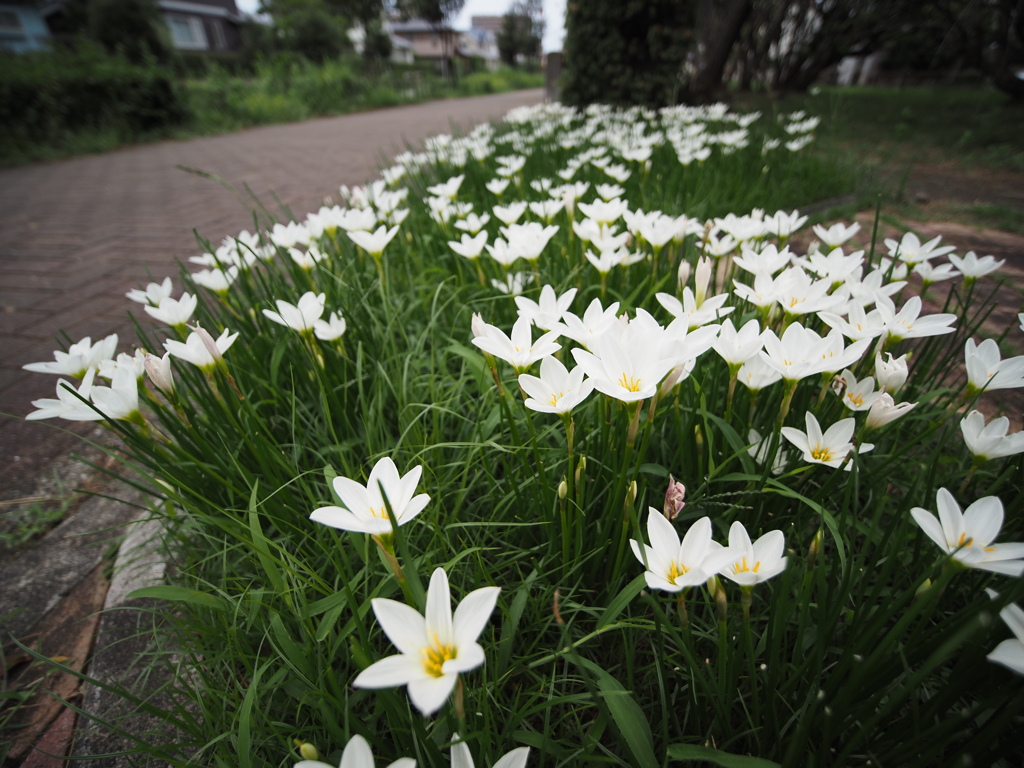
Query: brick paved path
{"points": [[76, 235]]}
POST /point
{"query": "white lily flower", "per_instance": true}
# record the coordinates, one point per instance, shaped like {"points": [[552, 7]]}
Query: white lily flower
{"points": [[759, 448], [968, 537], [519, 350], [767, 261], [121, 399], [364, 509], [797, 294], [529, 240], [831, 448], [547, 209], [859, 324], [557, 390], [154, 293], [547, 314], [990, 441], [497, 186], [434, 649], [514, 283], [374, 243], [159, 370], [629, 368], [784, 224], [672, 565], [173, 312], [757, 562], [136, 363], [837, 234], [856, 395], [472, 224], [307, 259], [80, 357], [906, 324], [867, 291], [357, 754], [911, 250], [194, 350], [1010, 653], [737, 347], [609, 192], [761, 294], [595, 322], [985, 370], [935, 273], [511, 213], [462, 758], [301, 317], [756, 374], [885, 410], [604, 212], [67, 406], [449, 188], [972, 267], [696, 314], [331, 329], [358, 219]]}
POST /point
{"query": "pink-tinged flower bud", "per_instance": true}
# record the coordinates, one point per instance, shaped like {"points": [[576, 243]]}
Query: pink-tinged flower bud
{"points": [[885, 410], [479, 326], [683, 275], [159, 370], [674, 498], [209, 343], [703, 279]]}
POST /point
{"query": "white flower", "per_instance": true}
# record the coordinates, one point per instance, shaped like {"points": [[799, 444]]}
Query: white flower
{"points": [[757, 562], [906, 324], [79, 358], [519, 350], [462, 758], [628, 369], [935, 273], [307, 259], [154, 293], [502, 253], [859, 325], [121, 399], [801, 352], [912, 251], [434, 648], [596, 321], [968, 537], [173, 312], [990, 441], [511, 213], [784, 224], [737, 347], [694, 312], [358, 219], [364, 509], [529, 240], [837, 234], [759, 448], [67, 405], [374, 243], [216, 280], [756, 374], [856, 395], [357, 754], [673, 565], [972, 267], [135, 363], [547, 314], [472, 224], [299, 318], [831, 448], [609, 191], [769, 261], [449, 188], [892, 373], [159, 370], [986, 371], [497, 186], [330, 330], [195, 350], [557, 390], [1010, 653], [885, 410], [513, 283], [604, 212]]}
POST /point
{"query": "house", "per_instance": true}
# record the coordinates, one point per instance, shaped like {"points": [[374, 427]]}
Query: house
{"points": [[430, 42], [195, 25], [22, 27]]}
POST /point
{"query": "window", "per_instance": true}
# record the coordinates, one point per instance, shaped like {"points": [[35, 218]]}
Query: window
{"points": [[187, 32], [10, 21], [220, 43]]}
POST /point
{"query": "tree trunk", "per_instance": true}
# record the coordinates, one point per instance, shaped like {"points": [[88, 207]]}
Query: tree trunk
{"points": [[719, 38]]}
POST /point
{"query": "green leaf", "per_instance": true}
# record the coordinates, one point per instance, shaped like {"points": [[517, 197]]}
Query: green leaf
{"points": [[826, 516], [179, 595], [262, 545], [628, 717], [621, 600], [244, 713], [473, 358], [709, 755]]}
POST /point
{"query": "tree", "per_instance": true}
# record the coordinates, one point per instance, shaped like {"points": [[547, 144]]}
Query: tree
{"points": [[437, 13], [133, 27], [522, 31], [626, 51]]}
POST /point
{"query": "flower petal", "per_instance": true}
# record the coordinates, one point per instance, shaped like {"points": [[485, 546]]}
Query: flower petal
{"points": [[390, 672], [403, 625], [439, 609], [429, 693], [472, 615]]}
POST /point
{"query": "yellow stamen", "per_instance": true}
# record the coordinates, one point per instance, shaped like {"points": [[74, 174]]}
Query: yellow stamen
{"points": [[964, 541], [629, 383], [382, 513], [677, 570], [822, 454], [740, 566], [434, 657], [854, 398]]}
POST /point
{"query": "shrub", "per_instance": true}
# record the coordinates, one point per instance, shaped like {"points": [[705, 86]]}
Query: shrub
{"points": [[46, 96]]}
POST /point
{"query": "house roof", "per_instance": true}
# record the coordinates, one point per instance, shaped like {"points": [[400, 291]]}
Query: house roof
{"points": [[416, 25], [200, 8]]}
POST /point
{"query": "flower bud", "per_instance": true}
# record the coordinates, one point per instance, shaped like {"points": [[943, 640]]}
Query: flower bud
{"points": [[209, 343], [925, 586], [159, 370], [683, 275], [884, 410], [631, 496], [563, 489], [308, 751], [891, 374], [479, 326], [702, 280], [674, 498], [814, 549]]}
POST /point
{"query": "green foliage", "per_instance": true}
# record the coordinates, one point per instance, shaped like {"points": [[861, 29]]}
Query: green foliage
{"points": [[135, 28], [47, 97], [626, 52], [522, 30]]}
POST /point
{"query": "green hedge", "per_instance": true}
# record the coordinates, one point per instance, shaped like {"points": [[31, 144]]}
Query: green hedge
{"points": [[49, 95]]}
